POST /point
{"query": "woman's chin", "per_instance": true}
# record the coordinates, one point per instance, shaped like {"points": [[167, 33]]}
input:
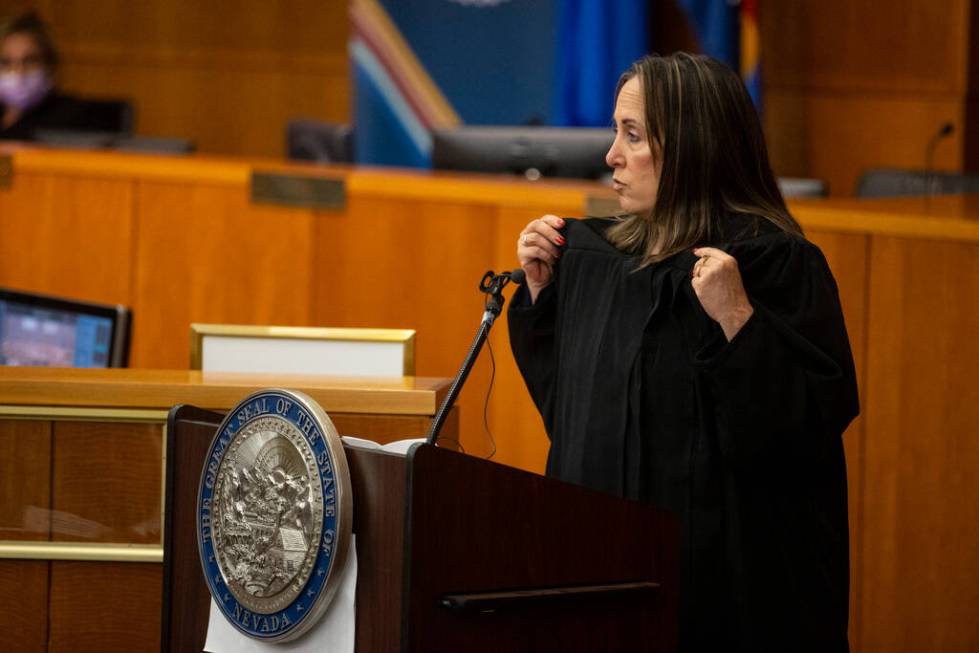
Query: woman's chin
{"points": [[633, 208]]}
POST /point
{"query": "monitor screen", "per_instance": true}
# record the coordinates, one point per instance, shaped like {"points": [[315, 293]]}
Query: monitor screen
{"points": [[53, 332], [574, 152]]}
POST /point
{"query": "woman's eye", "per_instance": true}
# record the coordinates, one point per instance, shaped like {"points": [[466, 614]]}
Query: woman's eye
{"points": [[633, 137]]}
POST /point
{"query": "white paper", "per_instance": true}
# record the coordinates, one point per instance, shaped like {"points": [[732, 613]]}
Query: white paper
{"points": [[360, 443], [399, 447], [333, 633]]}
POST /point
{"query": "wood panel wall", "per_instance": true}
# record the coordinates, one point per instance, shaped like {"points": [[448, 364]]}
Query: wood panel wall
{"points": [[407, 251], [25, 452], [227, 75], [847, 255], [920, 549], [86, 482], [856, 85]]}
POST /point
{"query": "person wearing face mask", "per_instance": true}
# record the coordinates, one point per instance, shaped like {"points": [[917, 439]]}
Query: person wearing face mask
{"points": [[29, 100], [692, 353]]}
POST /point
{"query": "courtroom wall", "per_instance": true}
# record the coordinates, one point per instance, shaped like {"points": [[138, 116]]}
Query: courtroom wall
{"points": [[227, 75], [848, 85], [855, 85]]}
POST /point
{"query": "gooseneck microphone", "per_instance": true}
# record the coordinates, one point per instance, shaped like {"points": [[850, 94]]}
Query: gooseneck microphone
{"points": [[492, 285]]}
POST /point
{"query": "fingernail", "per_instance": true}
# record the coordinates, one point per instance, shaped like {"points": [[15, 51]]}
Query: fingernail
{"points": [[560, 240]]}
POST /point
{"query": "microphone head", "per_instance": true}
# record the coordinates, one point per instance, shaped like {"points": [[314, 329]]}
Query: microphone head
{"points": [[518, 276]]}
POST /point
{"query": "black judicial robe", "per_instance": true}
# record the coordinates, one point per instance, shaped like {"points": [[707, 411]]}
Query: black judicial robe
{"points": [[643, 397]]}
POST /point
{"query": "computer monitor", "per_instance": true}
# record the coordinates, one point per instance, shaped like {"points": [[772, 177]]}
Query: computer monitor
{"points": [[54, 332], [575, 152]]}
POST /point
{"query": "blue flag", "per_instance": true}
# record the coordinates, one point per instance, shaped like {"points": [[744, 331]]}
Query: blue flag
{"points": [[597, 41], [717, 26], [435, 64]]}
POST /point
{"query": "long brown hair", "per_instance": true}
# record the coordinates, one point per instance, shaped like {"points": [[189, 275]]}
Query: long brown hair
{"points": [[701, 121]]}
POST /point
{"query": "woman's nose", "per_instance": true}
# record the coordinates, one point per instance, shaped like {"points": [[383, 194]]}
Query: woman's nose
{"points": [[612, 157]]}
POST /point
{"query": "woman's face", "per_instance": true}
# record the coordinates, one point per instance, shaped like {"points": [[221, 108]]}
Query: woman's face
{"points": [[19, 53], [636, 167]]}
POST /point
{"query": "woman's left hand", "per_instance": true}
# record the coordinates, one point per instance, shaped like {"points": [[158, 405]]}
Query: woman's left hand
{"points": [[717, 282]]}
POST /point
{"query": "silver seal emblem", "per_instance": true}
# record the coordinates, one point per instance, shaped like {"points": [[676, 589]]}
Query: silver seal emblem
{"points": [[274, 514]]}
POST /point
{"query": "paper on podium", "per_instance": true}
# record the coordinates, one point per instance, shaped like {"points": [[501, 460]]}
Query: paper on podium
{"points": [[334, 633], [399, 447]]}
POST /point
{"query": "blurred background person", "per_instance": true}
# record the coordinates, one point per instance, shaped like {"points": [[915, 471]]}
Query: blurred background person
{"points": [[29, 97]]}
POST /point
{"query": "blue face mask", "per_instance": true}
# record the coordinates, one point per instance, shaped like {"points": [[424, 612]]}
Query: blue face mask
{"points": [[21, 91]]}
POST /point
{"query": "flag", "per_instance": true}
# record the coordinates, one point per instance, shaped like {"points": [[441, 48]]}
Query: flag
{"points": [[751, 50], [716, 25], [396, 102], [434, 64], [597, 40], [728, 30]]}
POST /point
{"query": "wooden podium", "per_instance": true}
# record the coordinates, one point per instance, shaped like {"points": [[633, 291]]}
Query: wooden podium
{"points": [[457, 553]]}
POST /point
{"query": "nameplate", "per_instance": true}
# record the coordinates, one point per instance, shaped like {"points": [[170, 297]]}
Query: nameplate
{"points": [[298, 190]]}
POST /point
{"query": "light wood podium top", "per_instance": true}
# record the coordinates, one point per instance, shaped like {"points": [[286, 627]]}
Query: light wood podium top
{"points": [[161, 389]]}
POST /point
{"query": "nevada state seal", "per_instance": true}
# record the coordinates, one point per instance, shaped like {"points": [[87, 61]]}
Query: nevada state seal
{"points": [[274, 515]]}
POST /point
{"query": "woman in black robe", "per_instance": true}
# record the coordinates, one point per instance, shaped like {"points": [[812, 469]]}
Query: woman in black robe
{"points": [[692, 353]]}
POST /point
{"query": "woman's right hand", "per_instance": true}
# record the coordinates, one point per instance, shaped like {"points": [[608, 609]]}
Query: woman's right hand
{"points": [[538, 252]]}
